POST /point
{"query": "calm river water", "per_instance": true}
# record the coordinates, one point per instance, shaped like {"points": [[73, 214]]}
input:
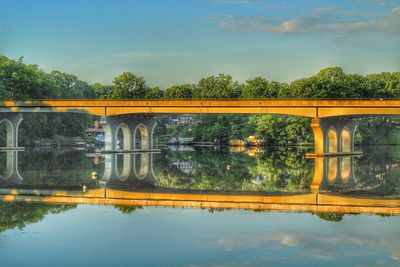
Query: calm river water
{"points": [[63, 233]]}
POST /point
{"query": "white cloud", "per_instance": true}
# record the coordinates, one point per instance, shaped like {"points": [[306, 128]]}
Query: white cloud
{"points": [[319, 246], [321, 21]]}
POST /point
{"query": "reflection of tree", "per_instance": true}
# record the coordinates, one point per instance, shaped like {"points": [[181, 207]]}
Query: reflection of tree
{"points": [[281, 170], [55, 167], [378, 170], [127, 209], [21, 214], [328, 216], [271, 171]]}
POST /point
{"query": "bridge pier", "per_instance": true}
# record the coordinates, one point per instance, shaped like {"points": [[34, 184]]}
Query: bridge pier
{"points": [[333, 172], [137, 132], [135, 167], [12, 122], [11, 174], [333, 136]]}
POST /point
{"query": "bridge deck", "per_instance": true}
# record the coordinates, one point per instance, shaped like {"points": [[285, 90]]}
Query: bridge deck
{"points": [[306, 108]]}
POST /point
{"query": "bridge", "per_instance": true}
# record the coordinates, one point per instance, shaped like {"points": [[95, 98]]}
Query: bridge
{"points": [[332, 121]]}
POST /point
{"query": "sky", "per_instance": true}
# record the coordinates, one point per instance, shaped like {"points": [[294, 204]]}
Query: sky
{"points": [[180, 41]]}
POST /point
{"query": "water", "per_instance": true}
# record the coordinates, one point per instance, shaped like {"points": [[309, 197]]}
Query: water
{"points": [[150, 232]]}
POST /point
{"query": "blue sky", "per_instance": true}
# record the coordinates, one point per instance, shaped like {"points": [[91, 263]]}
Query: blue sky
{"points": [[179, 41]]}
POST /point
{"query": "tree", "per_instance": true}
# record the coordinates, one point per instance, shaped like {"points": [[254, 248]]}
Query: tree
{"points": [[154, 93], [102, 91], [281, 130], [261, 88], [20, 81], [217, 87], [69, 86], [184, 91], [129, 86]]}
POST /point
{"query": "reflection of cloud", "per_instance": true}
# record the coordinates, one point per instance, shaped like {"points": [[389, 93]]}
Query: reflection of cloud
{"points": [[322, 20], [320, 247], [144, 54]]}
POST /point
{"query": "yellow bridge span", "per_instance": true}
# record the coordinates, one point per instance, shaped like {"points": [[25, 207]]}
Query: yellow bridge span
{"points": [[306, 108]]}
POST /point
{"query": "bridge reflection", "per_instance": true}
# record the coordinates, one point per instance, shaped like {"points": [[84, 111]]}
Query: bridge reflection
{"points": [[118, 185]]}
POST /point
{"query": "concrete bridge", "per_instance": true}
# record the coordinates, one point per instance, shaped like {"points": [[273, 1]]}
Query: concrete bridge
{"points": [[332, 121]]}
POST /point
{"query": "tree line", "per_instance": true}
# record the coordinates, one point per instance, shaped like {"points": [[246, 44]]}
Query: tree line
{"points": [[23, 81]]}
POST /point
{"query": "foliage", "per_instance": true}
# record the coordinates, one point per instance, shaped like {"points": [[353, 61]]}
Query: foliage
{"points": [[332, 217], [127, 209], [19, 215], [281, 130], [129, 86], [103, 91], [217, 87], [184, 91], [220, 127], [21, 81], [261, 88], [276, 170]]}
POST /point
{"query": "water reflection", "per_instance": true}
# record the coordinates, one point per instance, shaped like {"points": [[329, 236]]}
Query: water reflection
{"points": [[331, 194], [217, 178], [271, 170]]}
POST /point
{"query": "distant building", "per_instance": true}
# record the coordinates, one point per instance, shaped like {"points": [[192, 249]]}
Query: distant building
{"points": [[186, 166], [184, 119]]}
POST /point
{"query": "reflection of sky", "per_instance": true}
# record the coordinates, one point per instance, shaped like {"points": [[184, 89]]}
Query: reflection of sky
{"points": [[101, 235]]}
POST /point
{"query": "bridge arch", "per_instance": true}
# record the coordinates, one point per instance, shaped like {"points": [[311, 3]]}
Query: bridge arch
{"points": [[141, 165], [126, 166], [345, 169], [123, 134], [141, 137], [345, 140], [9, 131], [332, 140]]}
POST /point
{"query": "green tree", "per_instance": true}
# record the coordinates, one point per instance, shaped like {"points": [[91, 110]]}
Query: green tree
{"points": [[129, 86], [184, 91], [103, 91], [217, 87], [69, 86], [261, 88], [154, 93], [20, 81], [281, 130]]}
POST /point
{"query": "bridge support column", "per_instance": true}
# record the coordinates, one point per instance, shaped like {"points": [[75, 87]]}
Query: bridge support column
{"points": [[136, 168], [333, 173], [133, 128], [11, 174], [12, 122], [333, 136]]}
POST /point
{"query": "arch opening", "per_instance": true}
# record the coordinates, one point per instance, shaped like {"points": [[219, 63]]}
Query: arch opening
{"points": [[345, 169], [6, 134], [123, 137], [332, 170], [123, 166], [332, 140], [346, 140], [141, 137], [141, 163]]}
